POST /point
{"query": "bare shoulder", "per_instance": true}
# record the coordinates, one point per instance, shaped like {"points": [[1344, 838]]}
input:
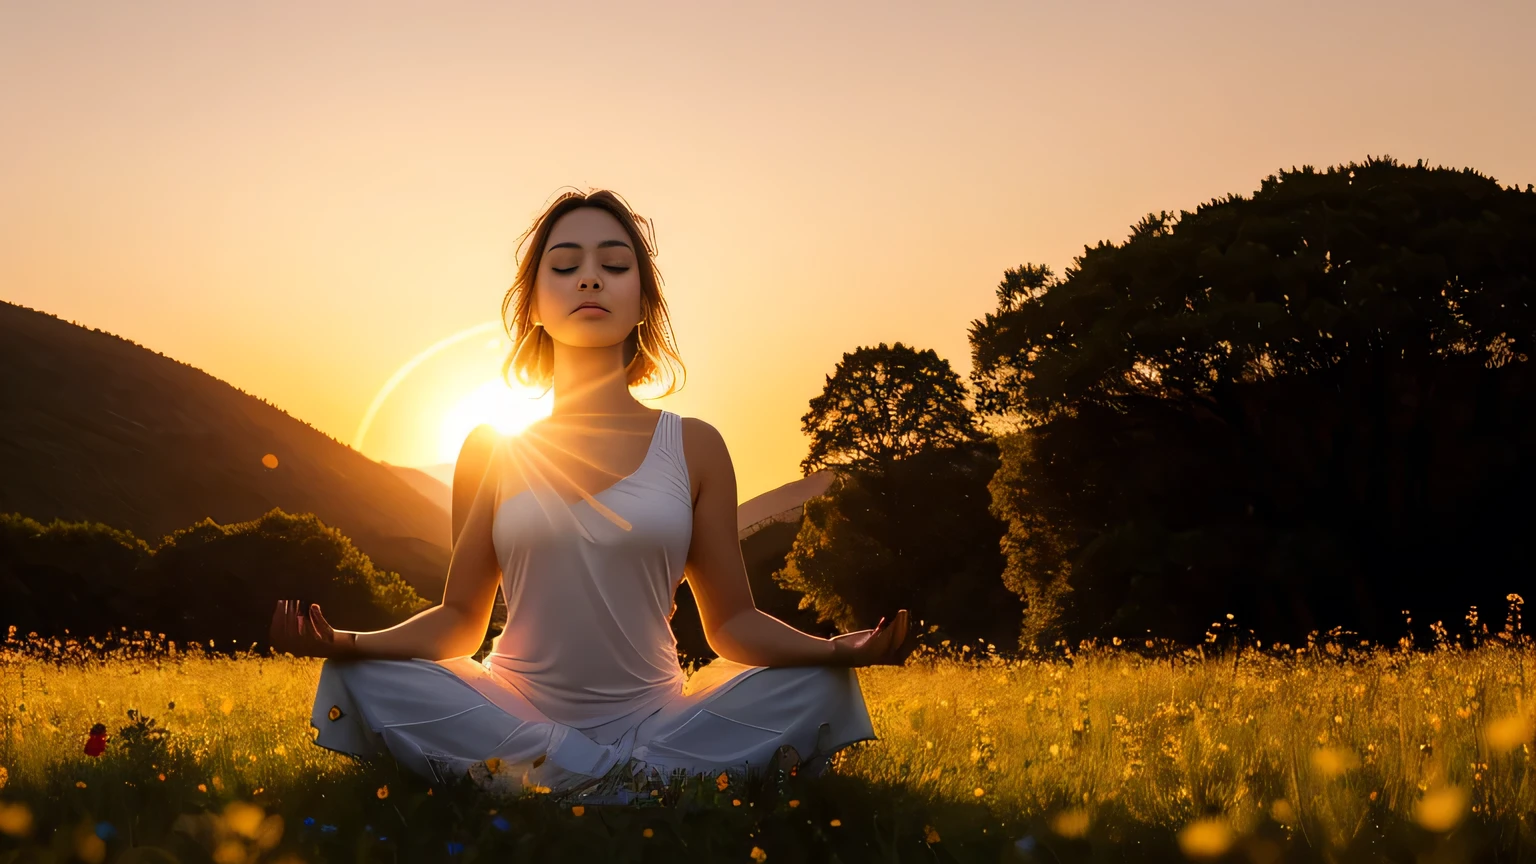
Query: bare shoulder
{"points": [[705, 452]]}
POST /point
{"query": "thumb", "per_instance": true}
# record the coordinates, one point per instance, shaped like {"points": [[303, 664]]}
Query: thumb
{"points": [[318, 620]]}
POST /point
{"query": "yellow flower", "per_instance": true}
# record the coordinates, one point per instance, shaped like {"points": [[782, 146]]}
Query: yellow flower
{"points": [[1507, 733], [794, 802], [1206, 838], [1441, 809], [647, 833], [243, 818], [202, 787], [577, 810], [228, 705], [980, 791], [1334, 761], [1071, 823], [15, 819], [383, 791], [79, 784], [929, 834], [759, 854], [722, 781], [836, 823], [162, 777]]}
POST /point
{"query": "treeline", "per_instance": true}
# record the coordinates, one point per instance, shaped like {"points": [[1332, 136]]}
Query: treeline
{"points": [[201, 583], [1309, 409]]}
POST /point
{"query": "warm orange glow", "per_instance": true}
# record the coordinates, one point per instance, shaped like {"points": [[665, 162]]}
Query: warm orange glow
{"points": [[492, 402]]}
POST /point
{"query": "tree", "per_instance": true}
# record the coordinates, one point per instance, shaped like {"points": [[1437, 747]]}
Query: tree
{"points": [[905, 523], [1311, 407], [884, 404]]}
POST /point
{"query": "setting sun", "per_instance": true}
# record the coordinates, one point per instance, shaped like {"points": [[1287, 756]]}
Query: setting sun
{"points": [[494, 403]]}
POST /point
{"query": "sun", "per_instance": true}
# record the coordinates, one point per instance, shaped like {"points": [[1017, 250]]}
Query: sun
{"points": [[492, 402]]}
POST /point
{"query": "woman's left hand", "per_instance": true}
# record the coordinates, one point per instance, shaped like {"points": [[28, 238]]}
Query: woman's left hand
{"points": [[886, 645], [307, 634]]}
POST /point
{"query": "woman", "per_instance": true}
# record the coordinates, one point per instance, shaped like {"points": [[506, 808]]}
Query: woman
{"points": [[588, 520]]}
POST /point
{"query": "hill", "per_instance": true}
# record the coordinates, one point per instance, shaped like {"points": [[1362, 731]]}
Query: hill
{"points": [[97, 427]]}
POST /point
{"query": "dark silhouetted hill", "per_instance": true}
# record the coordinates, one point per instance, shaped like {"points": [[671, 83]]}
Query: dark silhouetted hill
{"points": [[94, 427]]}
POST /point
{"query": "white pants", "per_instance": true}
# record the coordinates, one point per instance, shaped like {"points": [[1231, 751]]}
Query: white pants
{"points": [[439, 727]]}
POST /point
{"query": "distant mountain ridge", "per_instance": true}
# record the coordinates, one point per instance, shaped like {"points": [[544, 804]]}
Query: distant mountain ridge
{"points": [[96, 427]]}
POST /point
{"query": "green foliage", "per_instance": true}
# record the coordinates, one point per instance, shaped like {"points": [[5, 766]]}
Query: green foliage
{"points": [[96, 576], [203, 582], [1311, 407], [916, 535], [905, 523], [884, 404]]}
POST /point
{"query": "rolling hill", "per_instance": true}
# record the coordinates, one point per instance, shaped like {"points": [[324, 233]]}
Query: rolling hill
{"points": [[96, 427]]}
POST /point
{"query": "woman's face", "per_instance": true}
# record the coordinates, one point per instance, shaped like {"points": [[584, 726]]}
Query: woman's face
{"points": [[587, 247]]}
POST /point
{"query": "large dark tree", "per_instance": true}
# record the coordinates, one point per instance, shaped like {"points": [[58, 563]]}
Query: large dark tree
{"points": [[906, 524], [1309, 408]]}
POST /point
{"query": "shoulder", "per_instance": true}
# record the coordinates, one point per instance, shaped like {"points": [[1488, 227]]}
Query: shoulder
{"points": [[480, 445], [704, 440], [708, 458]]}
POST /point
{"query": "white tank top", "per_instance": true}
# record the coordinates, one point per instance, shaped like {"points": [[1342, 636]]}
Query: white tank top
{"points": [[589, 585]]}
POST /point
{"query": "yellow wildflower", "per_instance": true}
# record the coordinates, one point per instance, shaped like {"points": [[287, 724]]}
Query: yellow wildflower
{"points": [[1206, 838]]}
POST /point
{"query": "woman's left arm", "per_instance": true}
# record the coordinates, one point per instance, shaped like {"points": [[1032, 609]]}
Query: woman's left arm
{"points": [[733, 625]]}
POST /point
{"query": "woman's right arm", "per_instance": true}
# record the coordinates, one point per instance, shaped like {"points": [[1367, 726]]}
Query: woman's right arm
{"points": [[456, 628]]}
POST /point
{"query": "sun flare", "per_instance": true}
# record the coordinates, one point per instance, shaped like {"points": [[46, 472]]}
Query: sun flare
{"points": [[492, 402]]}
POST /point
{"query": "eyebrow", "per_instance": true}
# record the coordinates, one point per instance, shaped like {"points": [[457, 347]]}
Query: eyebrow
{"points": [[602, 245]]}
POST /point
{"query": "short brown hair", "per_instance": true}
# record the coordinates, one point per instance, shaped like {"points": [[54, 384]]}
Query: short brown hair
{"points": [[647, 348]]}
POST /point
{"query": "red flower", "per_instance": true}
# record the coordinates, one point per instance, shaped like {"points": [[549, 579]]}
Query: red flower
{"points": [[98, 740]]}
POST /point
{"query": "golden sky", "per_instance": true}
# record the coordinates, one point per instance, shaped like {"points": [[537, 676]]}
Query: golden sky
{"points": [[300, 198]]}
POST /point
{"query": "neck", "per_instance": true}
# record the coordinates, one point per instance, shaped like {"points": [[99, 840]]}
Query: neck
{"points": [[591, 381]]}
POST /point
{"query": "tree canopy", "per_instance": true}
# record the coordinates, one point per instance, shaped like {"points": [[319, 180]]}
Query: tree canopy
{"points": [[1308, 407]]}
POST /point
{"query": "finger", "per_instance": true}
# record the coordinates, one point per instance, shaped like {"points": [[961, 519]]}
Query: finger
{"points": [[318, 622]]}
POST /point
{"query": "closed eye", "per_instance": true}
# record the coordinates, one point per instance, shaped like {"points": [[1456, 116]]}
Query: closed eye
{"points": [[610, 269]]}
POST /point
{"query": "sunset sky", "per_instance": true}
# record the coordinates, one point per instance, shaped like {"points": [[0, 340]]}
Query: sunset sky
{"points": [[302, 198]]}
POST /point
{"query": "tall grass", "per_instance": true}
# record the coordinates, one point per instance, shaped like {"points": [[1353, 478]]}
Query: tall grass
{"points": [[1223, 748]]}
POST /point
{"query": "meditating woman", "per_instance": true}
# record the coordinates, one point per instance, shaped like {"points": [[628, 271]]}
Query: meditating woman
{"points": [[588, 520]]}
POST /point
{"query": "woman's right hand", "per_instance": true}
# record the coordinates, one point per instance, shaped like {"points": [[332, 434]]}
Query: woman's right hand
{"points": [[886, 645], [308, 635]]}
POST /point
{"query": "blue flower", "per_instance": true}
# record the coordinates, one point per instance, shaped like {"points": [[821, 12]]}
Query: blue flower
{"points": [[382, 838], [501, 823], [455, 848], [105, 831], [309, 821], [328, 829]]}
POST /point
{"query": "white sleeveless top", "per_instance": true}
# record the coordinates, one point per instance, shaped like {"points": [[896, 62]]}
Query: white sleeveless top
{"points": [[589, 585]]}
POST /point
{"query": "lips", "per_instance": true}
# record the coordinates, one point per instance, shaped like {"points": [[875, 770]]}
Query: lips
{"points": [[591, 306]]}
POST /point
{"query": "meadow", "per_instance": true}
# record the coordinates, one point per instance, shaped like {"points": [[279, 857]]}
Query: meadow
{"points": [[1235, 752]]}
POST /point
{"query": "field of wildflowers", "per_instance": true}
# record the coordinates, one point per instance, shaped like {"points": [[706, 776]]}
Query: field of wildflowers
{"points": [[133, 749]]}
